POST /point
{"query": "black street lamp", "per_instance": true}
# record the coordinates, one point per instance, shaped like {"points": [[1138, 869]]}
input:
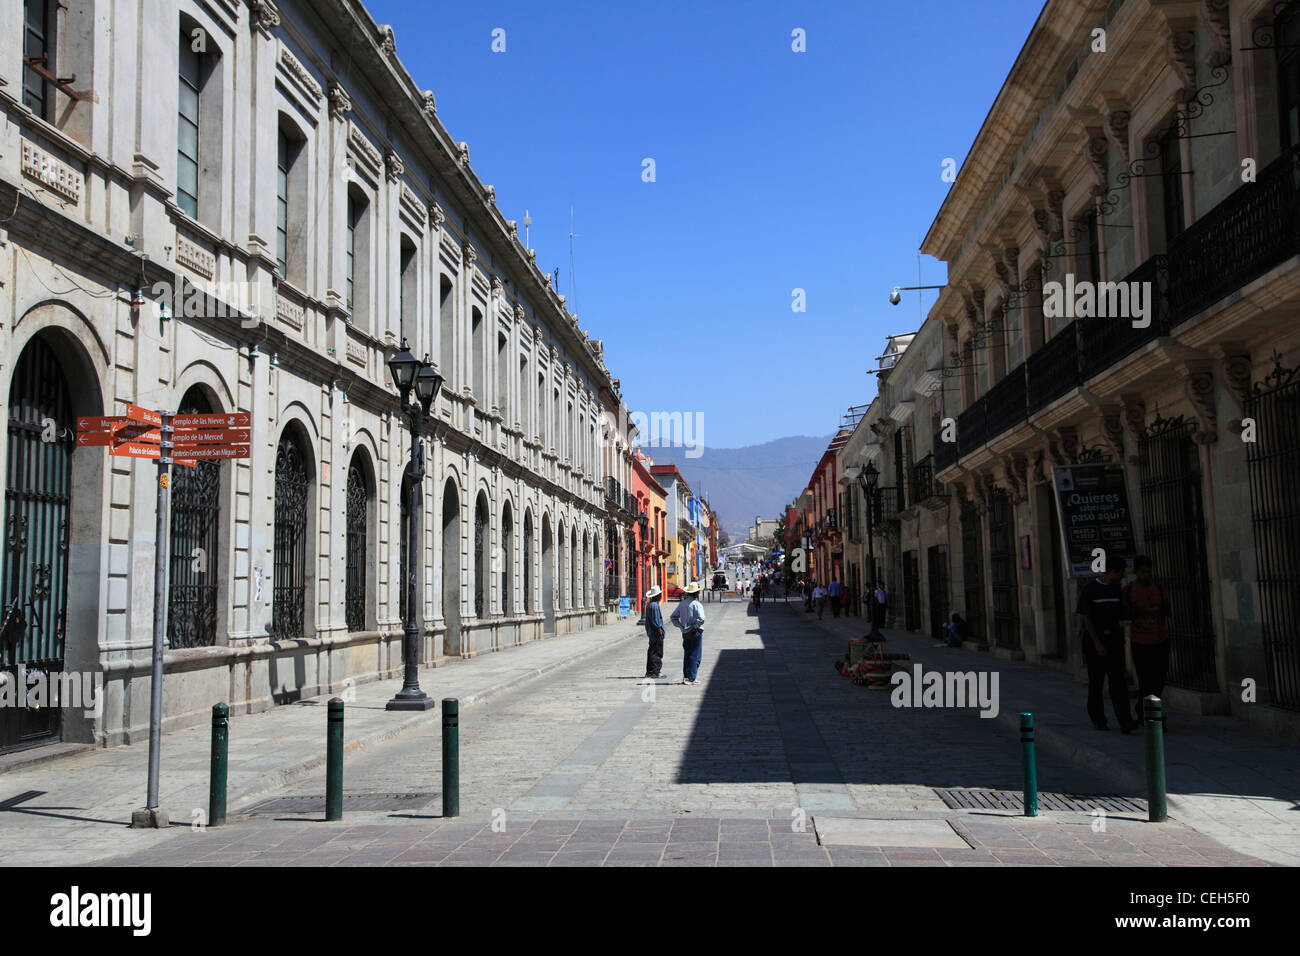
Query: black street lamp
{"points": [[411, 374], [867, 478]]}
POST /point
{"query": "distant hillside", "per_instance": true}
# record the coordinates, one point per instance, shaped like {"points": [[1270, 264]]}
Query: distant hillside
{"points": [[743, 482]]}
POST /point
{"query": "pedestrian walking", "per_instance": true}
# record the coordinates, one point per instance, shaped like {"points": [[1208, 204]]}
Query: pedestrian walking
{"points": [[819, 598], [835, 592], [758, 593], [879, 604], [1146, 605], [654, 629], [1101, 603], [689, 617], [807, 596]]}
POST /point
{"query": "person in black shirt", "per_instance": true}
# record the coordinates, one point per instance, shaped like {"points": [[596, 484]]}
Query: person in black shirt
{"points": [[1102, 606]]}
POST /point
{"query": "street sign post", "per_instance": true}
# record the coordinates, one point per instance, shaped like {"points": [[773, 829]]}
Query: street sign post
{"points": [[167, 439]]}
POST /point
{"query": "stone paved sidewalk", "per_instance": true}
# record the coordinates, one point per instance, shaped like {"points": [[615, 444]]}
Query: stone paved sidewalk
{"points": [[1224, 778], [610, 840], [74, 809]]}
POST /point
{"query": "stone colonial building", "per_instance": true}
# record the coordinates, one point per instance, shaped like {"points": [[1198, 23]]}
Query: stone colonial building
{"points": [[1123, 287], [235, 206]]}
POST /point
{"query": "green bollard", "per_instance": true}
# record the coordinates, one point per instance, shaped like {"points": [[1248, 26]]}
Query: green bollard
{"points": [[334, 762], [1153, 710], [1029, 764], [450, 757], [220, 759]]}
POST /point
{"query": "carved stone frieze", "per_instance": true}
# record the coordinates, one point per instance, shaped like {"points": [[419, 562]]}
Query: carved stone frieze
{"points": [[1215, 15], [1098, 148], [1117, 128], [1199, 389], [1112, 429], [1180, 48], [1234, 375], [340, 102], [1135, 419]]}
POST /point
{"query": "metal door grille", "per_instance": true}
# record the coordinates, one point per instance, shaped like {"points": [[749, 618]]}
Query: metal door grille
{"points": [[1174, 523], [38, 497], [528, 564], [403, 546], [1272, 460], [936, 560], [1002, 568], [911, 591], [480, 557], [507, 562], [358, 503], [289, 584], [195, 524], [972, 562]]}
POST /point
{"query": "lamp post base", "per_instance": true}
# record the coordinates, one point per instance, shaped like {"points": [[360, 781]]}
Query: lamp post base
{"points": [[423, 702]]}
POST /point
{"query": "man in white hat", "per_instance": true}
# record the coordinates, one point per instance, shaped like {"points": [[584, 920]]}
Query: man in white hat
{"points": [[654, 628], [689, 616]]}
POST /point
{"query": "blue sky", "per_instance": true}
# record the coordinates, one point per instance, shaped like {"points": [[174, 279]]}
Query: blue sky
{"points": [[775, 170]]}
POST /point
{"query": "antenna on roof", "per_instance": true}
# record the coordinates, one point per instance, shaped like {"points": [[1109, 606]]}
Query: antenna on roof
{"points": [[528, 221]]}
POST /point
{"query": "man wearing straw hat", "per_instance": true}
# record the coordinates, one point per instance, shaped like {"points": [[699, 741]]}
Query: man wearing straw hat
{"points": [[689, 616], [654, 628]]}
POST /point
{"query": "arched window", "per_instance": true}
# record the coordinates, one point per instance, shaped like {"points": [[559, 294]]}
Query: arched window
{"points": [[194, 548], [358, 523], [289, 574]]}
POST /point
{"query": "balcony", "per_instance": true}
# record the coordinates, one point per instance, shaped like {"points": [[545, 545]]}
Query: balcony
{"points": [[885, 507], [1103, 342], [972, 427], [1054, 369], [1007, 403], [945, 452], [924, 486], [1254, 229]]}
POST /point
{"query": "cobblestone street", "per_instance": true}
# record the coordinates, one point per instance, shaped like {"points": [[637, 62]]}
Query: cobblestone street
{"points": [[774, 758]]}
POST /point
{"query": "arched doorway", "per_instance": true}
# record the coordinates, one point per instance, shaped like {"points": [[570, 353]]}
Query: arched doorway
{"points": [[548, 578], [38, 516], [293, 481], [451, 569], [195, 555]]}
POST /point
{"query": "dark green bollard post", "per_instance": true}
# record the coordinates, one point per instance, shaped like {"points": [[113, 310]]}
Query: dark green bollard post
{"points": [[1153, 710], [1029, 764], [334, 762], [220, 756], [450, 757]]}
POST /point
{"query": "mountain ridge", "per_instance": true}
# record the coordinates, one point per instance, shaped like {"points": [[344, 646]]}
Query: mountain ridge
{"points": [[751, 480]]}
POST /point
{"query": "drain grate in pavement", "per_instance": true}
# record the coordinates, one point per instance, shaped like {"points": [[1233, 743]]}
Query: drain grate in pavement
{"points": [[351, 801], [1014, 800]]}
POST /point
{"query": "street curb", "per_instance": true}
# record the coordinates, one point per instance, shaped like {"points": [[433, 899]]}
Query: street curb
{"points": [[278, 779]]}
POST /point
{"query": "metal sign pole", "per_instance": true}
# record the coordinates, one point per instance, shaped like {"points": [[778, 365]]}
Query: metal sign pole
{"points": [[151, 815]]}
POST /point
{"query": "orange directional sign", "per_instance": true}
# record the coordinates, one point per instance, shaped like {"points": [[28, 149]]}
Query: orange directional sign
{"points": [[137, 414], [135, 449], [92, 423], [233, 436], [184, 452], [213, 420]]}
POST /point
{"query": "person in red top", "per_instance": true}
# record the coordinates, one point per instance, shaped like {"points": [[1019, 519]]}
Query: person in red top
{"points": [[1146, 603]]}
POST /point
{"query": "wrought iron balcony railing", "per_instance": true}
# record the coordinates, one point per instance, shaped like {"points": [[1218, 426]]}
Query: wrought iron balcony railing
{"points": [[1103, 342], [1007, 403], [972, 426], [886, 504], [923, 484], [1054, 369], [1254, 229]]}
